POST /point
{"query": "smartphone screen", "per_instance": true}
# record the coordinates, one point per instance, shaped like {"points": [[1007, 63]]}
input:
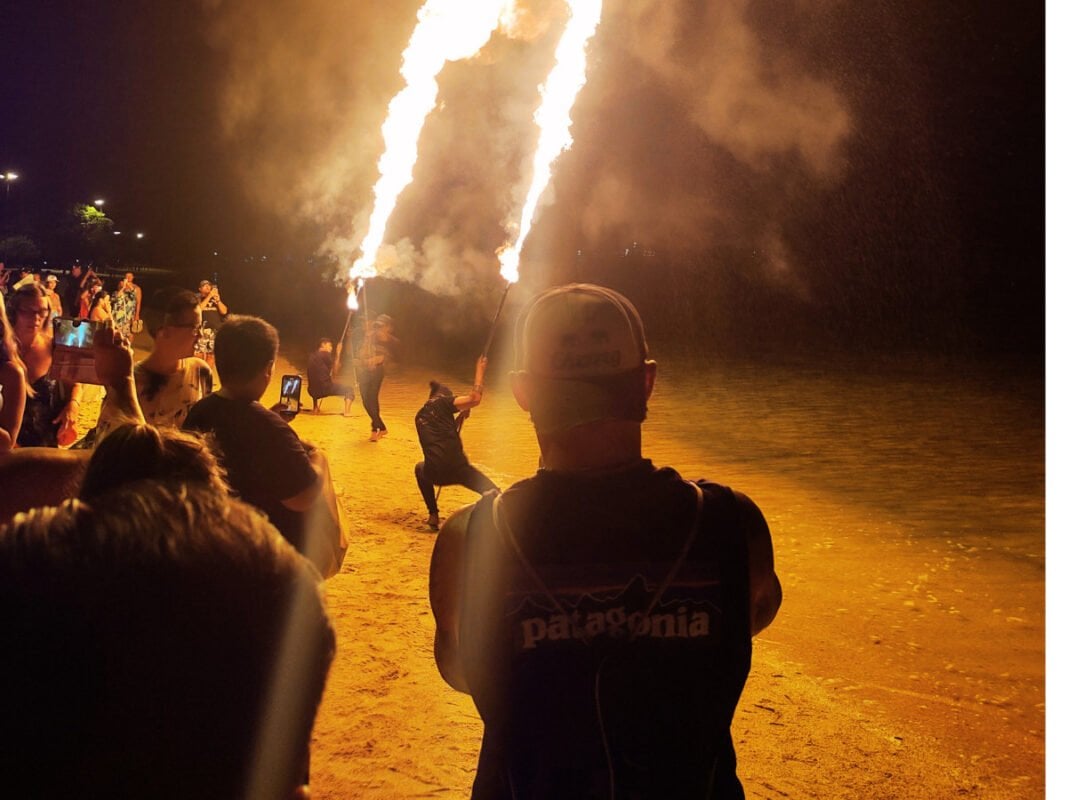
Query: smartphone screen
{"points": [[72, 350], [291, 385]]}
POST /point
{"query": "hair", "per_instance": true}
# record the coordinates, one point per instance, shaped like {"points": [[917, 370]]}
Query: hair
{"points": [[15, 298], [98, 295], [325, 340], [173, 302], [9, 349], [244, 346], [437, 388], [138, 451], [163, 641]]}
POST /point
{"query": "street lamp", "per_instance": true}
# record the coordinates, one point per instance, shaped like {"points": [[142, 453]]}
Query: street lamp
{"points": [[99, 202], [9, 178]]}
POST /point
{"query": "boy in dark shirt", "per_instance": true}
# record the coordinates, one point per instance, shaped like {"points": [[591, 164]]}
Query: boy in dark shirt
{"points": [[445, 462], [267, 465]]}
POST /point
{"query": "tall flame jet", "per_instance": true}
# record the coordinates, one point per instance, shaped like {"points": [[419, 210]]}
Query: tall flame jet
{"points": [[553, 117], [446, 30]]}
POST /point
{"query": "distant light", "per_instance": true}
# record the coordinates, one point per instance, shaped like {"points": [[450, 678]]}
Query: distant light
{"points": [[117, 233], [98, 202], [215, 253], [140, 236], [11, 176]]}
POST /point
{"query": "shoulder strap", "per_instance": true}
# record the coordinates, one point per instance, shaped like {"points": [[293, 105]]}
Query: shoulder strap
{"points": [[501, 524]]}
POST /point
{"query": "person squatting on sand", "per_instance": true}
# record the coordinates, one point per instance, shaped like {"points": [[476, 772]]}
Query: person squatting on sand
{"points": [[445, 463], [601, 612], [161, 640], [322, 368]]}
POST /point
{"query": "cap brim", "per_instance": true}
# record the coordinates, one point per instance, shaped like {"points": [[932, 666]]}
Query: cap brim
{"points": [[560, 404]]}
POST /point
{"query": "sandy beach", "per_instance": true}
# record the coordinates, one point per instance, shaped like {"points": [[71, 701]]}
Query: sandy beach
{"points": [[881, 677], [898, 668]]}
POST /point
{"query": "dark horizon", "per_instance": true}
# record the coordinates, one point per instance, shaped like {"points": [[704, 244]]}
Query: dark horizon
{"points": [[898, 204]]}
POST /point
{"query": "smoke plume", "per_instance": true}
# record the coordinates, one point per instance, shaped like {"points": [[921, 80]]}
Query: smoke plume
{"points": [[692, 128]]}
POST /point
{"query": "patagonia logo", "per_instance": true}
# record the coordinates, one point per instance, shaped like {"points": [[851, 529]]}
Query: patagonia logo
{"points": [[680, 623]]}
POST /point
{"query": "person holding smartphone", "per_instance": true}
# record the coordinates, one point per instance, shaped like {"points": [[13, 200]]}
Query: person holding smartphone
{"points": [[213, 312], [51, 404]]}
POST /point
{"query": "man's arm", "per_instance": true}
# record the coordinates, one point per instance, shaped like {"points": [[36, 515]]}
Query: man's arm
{"points": [[114, 369], [306, 499], [465, 402], [764, 589], [446, 592]]}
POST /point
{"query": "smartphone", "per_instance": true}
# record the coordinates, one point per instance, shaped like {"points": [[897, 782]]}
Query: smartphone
{"points": [[72, 350], [291, 386]]}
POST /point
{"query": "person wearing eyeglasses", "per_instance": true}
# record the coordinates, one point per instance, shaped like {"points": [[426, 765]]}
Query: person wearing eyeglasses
{"points": [[51, 404], [170, 380]]}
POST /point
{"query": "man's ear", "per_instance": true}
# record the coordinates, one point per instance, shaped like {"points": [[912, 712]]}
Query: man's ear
{"points": [[650, 377], [520, 388]]}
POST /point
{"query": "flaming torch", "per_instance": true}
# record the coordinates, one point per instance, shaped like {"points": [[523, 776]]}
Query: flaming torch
{"points": [[553, 117], [446, 31]]}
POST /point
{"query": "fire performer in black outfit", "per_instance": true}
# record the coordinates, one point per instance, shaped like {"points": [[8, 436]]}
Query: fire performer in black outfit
{"points": [[375, 351], [438, 427]]}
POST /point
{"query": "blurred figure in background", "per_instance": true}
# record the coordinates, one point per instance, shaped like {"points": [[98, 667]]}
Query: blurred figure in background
{"points": [[322, 368], [375, 352], [13, 387], [213, 312], [54, 299], [126, 305]]}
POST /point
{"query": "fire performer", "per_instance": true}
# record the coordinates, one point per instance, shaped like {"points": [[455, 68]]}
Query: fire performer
{"points": [[376, 350], [445, 463], [601, 612]]}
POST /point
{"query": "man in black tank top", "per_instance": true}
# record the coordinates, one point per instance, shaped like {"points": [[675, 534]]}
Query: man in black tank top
{"points": [[601, 612]]}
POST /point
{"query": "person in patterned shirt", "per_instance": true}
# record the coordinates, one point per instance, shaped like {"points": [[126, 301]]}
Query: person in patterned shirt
{"points": [[171, 379]]}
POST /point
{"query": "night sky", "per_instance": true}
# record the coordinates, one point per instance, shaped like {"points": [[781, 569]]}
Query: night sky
{"points": [[813, 170]]}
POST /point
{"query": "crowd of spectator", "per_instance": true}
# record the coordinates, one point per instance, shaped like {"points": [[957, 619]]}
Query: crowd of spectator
{"points": [[162, 630]]}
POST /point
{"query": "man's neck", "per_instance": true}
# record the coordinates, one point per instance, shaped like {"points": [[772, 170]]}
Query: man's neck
{"points": [[244, 394], [162, 363], [604, 445]]}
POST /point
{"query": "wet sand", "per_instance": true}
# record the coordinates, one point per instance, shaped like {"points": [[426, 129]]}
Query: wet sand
{"points": [[898, 668]]}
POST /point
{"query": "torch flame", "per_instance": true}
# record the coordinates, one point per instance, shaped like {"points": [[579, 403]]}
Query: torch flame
{"points": [[353, 295], [446, 30], [553, 117]]}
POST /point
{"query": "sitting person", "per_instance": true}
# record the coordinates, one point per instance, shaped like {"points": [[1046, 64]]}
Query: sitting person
{"points": [[321, 368], [171, 379], [161, 641], [267, 465], [445, 462]]}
